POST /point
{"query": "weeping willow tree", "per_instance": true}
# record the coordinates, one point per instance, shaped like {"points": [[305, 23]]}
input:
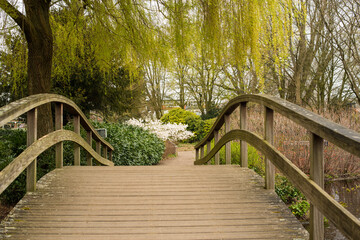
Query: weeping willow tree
{"points": [[238, 34]]}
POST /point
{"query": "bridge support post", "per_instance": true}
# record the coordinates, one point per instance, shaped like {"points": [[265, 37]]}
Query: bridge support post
{"points": [[317, 175], [196, 154], [269, 136], [98, 147], [31, 137], [105, 153], [228, 145], [208, 149], [243, 144], [59, 148], [202, 149], [76, 146], [88, 156], [216, 139]]}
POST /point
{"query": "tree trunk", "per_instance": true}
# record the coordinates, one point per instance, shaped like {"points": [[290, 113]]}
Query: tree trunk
{"points": [[40, 46]]}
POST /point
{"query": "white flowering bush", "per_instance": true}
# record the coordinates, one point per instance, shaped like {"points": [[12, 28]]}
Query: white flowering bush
{"points": [[172, 131]]}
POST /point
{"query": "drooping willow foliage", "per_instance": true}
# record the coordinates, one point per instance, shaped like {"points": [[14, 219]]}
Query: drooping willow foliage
{"points": [[135, 34]]}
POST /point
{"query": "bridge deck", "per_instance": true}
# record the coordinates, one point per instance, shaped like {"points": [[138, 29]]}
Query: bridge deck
{"points": [[154, 202]]}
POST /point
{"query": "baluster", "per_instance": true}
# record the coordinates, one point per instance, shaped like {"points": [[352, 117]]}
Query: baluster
{"points": [[89, 141], [110, 155], [202, 151], [317, 175], [196, 154], [59, 122], [76, 146], [216, 139], [243, 144], [208, 149], [105, 153], [98, 147], [227, 145], [269, 137], [31, 137]]}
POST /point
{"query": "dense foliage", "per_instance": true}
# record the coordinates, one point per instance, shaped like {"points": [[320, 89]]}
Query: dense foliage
{"points": [[133, 145], [194, 122]]}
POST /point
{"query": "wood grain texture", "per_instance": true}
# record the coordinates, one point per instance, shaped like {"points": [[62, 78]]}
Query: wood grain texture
{"points": [[243, 144], [31, 136], [152, 202], [269, 137], [21, 106], [347, 223], [341, 136], [15, 168]]}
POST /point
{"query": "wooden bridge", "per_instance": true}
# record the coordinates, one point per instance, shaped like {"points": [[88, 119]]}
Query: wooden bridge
{"points": [[170, 202]]}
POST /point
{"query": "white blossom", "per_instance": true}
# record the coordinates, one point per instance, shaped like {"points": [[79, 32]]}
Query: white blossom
{"points": [[172, 131]]}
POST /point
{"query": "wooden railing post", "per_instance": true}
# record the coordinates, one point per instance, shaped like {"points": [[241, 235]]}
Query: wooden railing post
{"points": [[105, 153], [88, 156], [202, 149], [228, 145], [216, 139], [269, 137], [59, 122], [317, 175], [98, 147], [31, 137], [243, 144], [110, 155], [76, 146], [196, 154], [208, 149]]}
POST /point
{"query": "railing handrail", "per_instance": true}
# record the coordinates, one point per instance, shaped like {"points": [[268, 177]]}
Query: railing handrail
{"points": [[312, 187], [21, 106], [21, 162], [27, 159], [341, 136]]}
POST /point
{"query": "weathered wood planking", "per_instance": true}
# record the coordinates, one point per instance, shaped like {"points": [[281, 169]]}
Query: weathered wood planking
{"points": [[154, 202]]}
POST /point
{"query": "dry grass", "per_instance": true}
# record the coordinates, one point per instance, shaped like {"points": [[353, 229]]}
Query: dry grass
{"points": [[293, 140]]}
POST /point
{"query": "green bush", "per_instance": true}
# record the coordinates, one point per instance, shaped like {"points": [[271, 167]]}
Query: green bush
{"points": [[194, 122], [133, 145], [300, 208], [178, 115], [12, 143]]}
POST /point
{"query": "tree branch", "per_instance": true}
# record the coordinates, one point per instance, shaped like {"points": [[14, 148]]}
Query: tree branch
{"points": [[15, 14]]}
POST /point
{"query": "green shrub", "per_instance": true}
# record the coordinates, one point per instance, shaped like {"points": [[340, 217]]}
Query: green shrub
{"points": [[133, 145], [178, 115], [12, 143], [300, 208], [286, 191]]}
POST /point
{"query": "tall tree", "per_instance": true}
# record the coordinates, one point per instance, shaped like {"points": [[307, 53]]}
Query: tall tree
{"points": [[35, 25]]}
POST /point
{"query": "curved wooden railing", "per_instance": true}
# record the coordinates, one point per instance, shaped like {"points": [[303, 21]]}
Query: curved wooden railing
{"points": [[312, 187], [27, 159]]}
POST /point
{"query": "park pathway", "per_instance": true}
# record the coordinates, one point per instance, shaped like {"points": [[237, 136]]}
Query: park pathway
{"points": [[183, 158]]}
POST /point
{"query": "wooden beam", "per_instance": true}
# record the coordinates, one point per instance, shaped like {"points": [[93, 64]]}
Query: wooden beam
{"points": [[98, 147], [269, 137], [76, 146], [31, 137], [202, 149], [89, 141], [216, 139], [243, 144], [317, 175], [59, 122], [196, 154], [105, 153], [228, 145], [208, 149]]}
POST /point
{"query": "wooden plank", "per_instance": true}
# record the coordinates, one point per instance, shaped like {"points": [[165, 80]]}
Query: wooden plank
{"points": [[317, 175], [269, 137], [76, 121], [228, 145], [31, 138], [236, 208], [243, 144], [347, 223], [59, 122]]}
